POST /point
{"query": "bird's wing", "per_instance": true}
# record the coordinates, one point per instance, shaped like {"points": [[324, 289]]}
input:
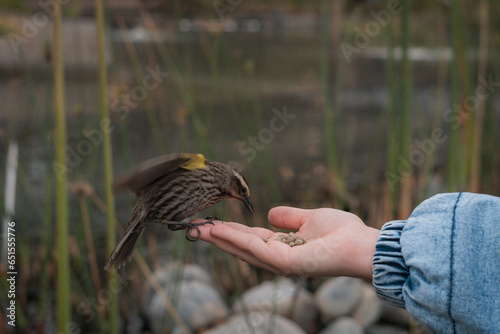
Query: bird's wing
{"points": [[149, 171]]}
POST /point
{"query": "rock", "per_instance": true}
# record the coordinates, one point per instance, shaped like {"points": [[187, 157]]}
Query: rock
{"points": [[134, 323], [257, 323], [369, 309], [283, 297], [177, 331], [385, 329], [395, 315], [338, 296], [197, 302], [343, 325], [175, 272]]}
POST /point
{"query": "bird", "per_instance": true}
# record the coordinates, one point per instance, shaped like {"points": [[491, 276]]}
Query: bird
{"points": [[171, 188]]}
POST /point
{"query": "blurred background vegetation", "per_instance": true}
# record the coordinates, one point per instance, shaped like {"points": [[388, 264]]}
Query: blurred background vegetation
{"points": [[365, 106]]}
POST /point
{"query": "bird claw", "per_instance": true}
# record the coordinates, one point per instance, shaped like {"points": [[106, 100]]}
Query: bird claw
{"points": [[195, 225], [175, 226]]}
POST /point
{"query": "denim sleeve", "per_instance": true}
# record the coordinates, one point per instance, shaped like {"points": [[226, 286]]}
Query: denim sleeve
{"points": [[443, 264]]}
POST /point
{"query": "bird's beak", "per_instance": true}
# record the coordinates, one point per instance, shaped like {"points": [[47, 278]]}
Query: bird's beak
{"points": [[248, 204]]}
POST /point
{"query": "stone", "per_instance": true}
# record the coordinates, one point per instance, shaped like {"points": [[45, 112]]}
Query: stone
{"points": [[175, 272], [369, 309], [198, 303], [257, 322], [343, 325], [283, 297], [338, 296]]}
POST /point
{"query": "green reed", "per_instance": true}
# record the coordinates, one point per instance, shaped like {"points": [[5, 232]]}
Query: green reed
{"points": [[43, 112], [440, 105], [63, 287], [328, 103], [392, 116], [477, 127], [47, 242], [107, 161], [457, 158], [404, 125]]}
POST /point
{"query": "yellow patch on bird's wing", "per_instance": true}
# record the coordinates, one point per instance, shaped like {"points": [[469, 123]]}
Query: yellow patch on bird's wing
{"points": [[196, 161]]}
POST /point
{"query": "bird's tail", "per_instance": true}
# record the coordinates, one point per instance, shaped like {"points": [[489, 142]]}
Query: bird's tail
{"points": [[125, 247]]}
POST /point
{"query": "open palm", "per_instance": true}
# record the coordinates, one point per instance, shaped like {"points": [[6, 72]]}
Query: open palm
{"points": [[338, 243]]}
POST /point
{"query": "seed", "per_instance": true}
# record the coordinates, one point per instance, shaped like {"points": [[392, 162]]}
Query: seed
{"points": [[265, 239], [291, 234], [299, 242], [291, 244]]}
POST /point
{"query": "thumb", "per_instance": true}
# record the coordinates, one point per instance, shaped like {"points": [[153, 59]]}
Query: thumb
{"points": [[288, 217]]}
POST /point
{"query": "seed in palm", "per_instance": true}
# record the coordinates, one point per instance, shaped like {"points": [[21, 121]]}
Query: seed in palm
{"points": [[172, 188], [291, 239]]}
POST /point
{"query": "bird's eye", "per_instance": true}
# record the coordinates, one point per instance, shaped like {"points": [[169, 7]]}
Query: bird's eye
{"points": [[243, 190]]}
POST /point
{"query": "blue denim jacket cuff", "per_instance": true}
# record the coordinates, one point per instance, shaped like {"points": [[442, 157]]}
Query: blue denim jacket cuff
{"points": [[389, 269]]}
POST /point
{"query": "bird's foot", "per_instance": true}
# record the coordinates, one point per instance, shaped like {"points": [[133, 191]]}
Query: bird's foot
{"points": [[175, 226], [189, 226]]}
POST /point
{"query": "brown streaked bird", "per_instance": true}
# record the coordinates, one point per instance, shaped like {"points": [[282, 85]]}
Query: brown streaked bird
{"points": [[172, 188]]}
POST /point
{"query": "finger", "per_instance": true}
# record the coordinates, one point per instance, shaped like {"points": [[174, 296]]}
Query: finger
{"points": [[288, 217], [229, 248], [245, 234], [204, 229], [273, 253], [258, 231]]}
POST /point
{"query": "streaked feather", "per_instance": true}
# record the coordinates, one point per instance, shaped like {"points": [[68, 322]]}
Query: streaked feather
{"points": [[151, 170], [170, 189]]}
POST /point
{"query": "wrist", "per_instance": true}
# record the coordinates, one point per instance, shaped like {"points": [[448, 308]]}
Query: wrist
{"points": [[360, 262]]}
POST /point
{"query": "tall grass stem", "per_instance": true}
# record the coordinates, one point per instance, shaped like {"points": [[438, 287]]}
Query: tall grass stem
{"points": [[475, 159], [63, 264], [107, 161]]}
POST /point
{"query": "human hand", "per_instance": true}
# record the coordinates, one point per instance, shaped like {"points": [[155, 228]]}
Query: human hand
{"points": [[338, 243]]}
